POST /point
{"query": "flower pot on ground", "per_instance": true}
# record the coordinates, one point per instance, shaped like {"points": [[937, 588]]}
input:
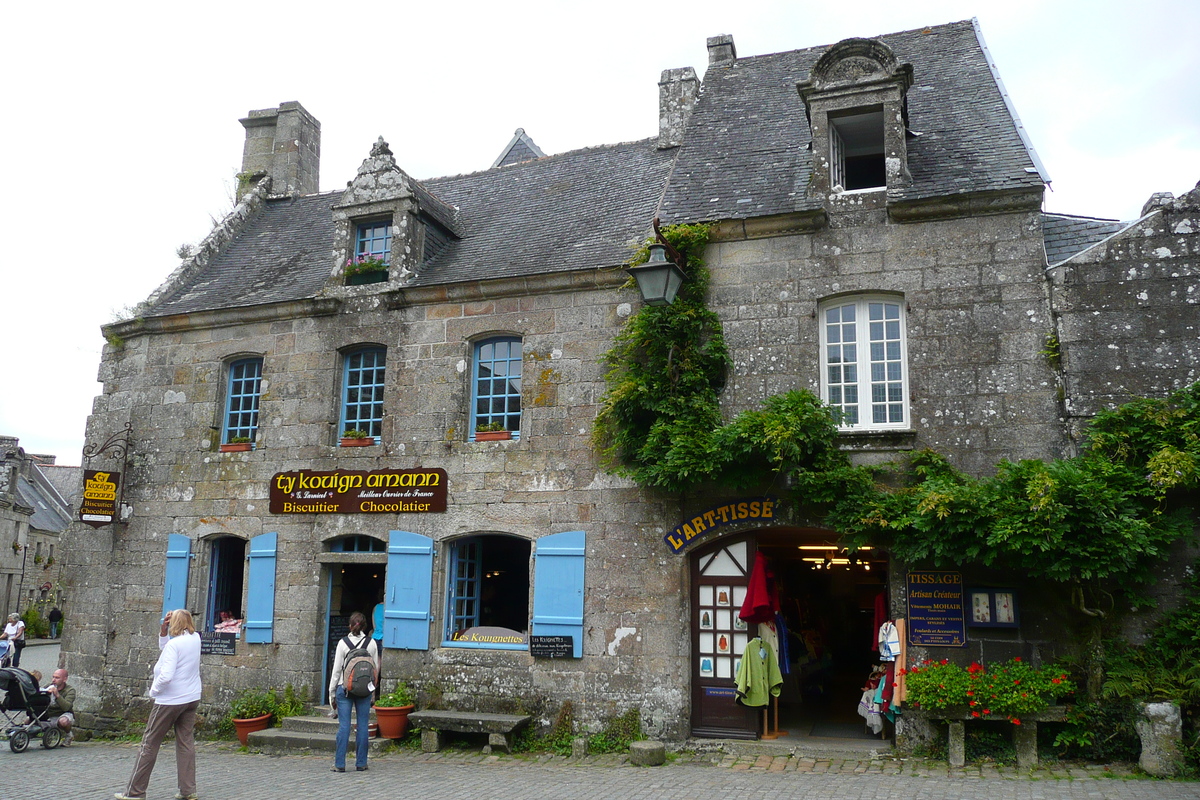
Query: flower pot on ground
{"points": [[392, 710], [251, 711], [245, 727]]}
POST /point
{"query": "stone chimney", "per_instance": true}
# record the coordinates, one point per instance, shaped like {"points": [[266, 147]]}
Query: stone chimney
{"points": [[721, 50], [678, 90], [284, 143]]}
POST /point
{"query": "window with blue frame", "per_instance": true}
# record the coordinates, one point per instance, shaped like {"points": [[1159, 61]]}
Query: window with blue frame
{"points": [[496, 385], [356, 544], [374, 240], [362, 390], [241, 402], [489, 589]]}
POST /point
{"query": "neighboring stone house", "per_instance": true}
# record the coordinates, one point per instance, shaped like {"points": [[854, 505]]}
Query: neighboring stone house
{"points": [[34, 511], [876, 191]]}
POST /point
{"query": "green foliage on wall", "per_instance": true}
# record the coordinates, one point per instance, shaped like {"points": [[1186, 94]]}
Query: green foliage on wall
{"points": [[1100, 519]]}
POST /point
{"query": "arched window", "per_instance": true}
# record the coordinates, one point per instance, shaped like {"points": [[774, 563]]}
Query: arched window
{"points": [[864, 370], [496, 385]]}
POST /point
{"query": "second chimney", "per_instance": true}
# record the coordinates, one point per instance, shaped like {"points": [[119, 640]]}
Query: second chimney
{"points": [[284, 143], [678, 90]]}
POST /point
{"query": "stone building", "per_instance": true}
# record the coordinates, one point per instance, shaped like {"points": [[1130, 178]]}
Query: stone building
{"points": [[35, 509], [876, 190]]}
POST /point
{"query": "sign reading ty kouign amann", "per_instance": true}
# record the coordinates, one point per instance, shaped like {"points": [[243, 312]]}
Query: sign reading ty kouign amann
{"points": [[382, 491]]}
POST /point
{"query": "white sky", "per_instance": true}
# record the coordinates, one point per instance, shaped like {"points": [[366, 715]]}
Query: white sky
{"points": [[121, 121]]}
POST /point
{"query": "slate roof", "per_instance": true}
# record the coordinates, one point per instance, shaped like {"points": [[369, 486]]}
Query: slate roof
{"points": [[1067, 236], [746, 152], [576, 210]]}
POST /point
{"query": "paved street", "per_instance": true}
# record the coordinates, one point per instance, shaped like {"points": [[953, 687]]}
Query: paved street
{"points": [[95, 770]]}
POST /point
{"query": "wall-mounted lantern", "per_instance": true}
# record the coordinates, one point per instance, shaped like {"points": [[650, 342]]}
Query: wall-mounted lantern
{"points": [[659, 278]]}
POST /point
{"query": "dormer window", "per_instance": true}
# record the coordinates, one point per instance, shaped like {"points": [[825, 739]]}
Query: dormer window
{"points": [[375, 241], [856, 149]]}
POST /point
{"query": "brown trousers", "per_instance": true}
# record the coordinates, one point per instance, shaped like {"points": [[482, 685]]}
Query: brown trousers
{"points": [[162, 719]]}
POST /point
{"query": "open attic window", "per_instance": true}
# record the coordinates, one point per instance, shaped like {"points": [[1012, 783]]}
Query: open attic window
{"points": [[856, 149]]}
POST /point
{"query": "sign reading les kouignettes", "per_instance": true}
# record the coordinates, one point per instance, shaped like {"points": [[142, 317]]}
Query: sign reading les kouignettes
{"points": [[382, 491]]}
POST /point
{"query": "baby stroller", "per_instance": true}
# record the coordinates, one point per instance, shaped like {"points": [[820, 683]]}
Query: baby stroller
{"points": [[25, 709], [7, 650]]}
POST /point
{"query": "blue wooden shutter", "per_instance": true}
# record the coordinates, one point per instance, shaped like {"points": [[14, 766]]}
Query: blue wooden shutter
{"points": [[179, 558], [260, 594], [407, 590], [558, 587]]}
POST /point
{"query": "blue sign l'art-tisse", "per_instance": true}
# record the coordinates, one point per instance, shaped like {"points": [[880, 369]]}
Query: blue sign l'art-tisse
{"points": [[936, 611]]}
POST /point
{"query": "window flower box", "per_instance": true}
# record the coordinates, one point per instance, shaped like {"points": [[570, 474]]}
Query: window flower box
{"points": [[237, 447], [363, 278], [492, 436], [367, 442]]}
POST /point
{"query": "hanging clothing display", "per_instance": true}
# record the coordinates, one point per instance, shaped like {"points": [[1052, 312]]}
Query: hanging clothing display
{"points": [[900, 693], [888, 642], [758, 677], [761, 603], [881, 616], [870, 702]]}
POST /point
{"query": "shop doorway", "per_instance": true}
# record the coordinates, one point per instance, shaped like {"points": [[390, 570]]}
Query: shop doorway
{"points": [[827, 605], [352, 587]]}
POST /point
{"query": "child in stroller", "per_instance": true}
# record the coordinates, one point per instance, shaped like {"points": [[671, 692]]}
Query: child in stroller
{"points": [[25, 708]]}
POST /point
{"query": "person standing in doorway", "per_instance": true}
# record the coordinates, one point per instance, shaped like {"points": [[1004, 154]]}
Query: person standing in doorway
{"points": [[14, 631], [344, 660], [55, 617], [176, 692]]}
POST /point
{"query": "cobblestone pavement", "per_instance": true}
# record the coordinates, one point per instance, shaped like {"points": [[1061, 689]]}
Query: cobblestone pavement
{"points": [[95, 770]]}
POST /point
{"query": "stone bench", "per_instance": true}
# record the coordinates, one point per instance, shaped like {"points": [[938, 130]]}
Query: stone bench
{"points": [[1024, 735], [498, 727]]}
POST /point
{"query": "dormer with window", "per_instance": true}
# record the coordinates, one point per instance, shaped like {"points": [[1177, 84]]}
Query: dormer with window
{"points": [[855, 98], [382, 221]]}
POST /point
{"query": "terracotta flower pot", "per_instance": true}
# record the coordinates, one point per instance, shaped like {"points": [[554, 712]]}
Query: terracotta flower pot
{"points": [[240, 447], [245, 727], [367, 442], [393, 721], [492, 436]]}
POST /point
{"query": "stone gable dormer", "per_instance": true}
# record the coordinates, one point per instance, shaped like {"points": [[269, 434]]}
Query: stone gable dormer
{"points": [[381, 198], [856, 100]]}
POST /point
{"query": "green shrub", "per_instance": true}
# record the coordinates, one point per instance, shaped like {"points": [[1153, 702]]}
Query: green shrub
{"points": [[36, 625]]}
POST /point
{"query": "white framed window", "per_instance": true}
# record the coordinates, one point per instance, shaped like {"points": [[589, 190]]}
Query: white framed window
{"points": [[864, 362]]}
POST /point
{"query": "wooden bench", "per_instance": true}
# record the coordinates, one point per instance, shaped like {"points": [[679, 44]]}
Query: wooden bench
{"points": [[498, 727], [1024, 735]]}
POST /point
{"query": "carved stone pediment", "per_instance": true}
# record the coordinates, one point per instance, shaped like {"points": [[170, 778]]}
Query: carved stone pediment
{"points": [[854, 61]]}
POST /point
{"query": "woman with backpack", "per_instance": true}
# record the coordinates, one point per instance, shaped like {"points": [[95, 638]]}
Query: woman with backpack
{"points": [[352, 683]]}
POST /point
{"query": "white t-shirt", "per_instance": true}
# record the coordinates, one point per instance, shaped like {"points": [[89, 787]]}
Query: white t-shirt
{"points": [[15, 630], [177, 673]]}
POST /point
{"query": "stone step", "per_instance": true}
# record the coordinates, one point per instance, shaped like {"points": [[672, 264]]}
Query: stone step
{"points": [[277, 741], [317, 723]]}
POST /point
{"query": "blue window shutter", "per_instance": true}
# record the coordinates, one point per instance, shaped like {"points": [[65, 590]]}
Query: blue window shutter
{"points": [[407, 590], [179, 558], [260, 595], [558, 587]]}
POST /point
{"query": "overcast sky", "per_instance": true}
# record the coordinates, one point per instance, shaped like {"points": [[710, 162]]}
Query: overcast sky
{"points": [[121, 138]]}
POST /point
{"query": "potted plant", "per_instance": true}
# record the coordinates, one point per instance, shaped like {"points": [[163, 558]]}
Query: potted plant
{"points": [[364, 269], [352, 437], [392, 710], [251, 711], [237, 444], [491, 432]]}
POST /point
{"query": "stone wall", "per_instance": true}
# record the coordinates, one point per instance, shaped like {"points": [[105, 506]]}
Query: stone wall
{"points": [[1129, 311]]}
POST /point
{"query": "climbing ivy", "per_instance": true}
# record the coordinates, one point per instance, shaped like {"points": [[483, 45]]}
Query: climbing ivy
{"points": [[1101, 519]]}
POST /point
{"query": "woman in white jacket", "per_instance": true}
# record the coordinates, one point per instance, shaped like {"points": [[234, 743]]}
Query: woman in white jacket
{"points": [[176, 693]]}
